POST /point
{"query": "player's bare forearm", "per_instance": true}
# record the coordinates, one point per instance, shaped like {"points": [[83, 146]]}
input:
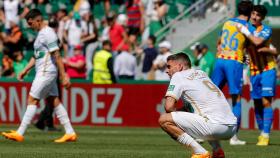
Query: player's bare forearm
{"points": [[272, 51], [256, 40], [170, 103], [63, 76], [59, 64], [30, 65]]}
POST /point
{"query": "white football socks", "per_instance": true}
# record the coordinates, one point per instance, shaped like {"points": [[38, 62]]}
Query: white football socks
{"points": [[26, 120], [63, 118], [190, 142]]}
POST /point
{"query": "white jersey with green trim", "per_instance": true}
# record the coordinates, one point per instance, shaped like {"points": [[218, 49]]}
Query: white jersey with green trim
{"points": [[206, 98], [46, 42]]}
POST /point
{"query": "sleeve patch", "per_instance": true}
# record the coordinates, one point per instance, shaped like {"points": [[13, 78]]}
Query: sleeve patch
{"points": [[171, 87]]}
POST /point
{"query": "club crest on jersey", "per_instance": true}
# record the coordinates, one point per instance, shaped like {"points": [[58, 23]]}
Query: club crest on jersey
{"points": [[171, 87], [39, 54]]}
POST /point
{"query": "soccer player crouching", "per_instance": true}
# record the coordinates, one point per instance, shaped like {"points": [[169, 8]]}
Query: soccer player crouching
{"points": [[212, 119]]}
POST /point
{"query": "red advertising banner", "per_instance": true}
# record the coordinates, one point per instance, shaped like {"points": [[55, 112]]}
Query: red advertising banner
{"points": [[112, 105]]}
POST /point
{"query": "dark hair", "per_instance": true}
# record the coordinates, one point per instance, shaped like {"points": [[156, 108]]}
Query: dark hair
{"points": [[245, 7], [160, 2], [261, 9], [129, 3], [63, 11], [182, 57], [153, 38], [200, 47], [106, 42], [111, 16], [53, 23], [33, 13]]}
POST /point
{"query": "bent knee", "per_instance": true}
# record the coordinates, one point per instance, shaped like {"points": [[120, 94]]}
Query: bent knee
{"points": [[32, 101], [165, 118]]}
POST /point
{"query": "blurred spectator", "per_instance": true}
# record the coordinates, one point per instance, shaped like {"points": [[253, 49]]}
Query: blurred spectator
{"points": [[82, 7], [61, 17], [105, 30], [204, 59], [19, 62], [11, 9], [103, 72], [148, 8], [159, 64], [159, 11], [107, 6], [25, 5], [76, 65], [117, 33], [74, 30], [122, 20], [135, 12], [150, 53], [219, 6], [132, 40], [125, 65], [14, 40], [44, 6], [7, 67], [90, 40]]}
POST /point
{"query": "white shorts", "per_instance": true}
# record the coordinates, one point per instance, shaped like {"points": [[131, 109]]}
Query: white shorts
{"points": [[199, 127], [44, 86]]}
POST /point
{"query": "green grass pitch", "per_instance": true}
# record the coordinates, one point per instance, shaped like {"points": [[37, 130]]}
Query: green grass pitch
{"points": [[117, 142]]}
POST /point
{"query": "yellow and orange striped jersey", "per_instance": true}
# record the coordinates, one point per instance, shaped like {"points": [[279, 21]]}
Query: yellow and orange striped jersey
{"points": [[232, 41], [260, 62]]}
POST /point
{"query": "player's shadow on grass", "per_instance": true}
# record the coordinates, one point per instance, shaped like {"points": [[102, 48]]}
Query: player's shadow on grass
{"points": [[254, 143], [274, 144]]}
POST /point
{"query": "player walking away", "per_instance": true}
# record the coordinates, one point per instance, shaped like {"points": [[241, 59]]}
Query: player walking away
{"points": [[47, 62], [212, 119], [229, 64], [262, 70]]}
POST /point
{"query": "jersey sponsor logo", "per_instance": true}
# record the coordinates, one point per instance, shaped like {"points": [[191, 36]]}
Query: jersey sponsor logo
{"points": [[171, 87]]}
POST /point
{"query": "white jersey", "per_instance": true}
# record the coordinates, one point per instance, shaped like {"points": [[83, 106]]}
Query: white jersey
{"points": [[206, 99], [75, 32], [11, 11], [45, 43]]}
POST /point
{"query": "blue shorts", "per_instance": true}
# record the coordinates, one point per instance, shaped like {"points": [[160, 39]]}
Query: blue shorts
{"points": [[263, 84], [228, 71]]}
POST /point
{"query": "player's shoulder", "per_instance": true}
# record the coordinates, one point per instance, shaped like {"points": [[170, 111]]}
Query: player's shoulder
{"points": [[266, 28], [251, 27], [48, 31], [177, 75], [237, 20]]}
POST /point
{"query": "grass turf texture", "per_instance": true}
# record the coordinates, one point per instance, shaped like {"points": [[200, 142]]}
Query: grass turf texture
{"points": [[116, 142]]}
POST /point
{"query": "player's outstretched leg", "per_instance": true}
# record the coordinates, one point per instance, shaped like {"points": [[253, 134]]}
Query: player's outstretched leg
{"points": [[26, 120], [168, 125], [63, 118]]}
